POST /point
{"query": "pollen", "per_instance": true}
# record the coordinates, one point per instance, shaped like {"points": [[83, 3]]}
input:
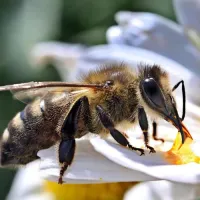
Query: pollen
{"points": [[182, 153]]}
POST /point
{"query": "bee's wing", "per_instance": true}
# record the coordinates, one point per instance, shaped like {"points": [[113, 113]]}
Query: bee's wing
{"points": [[28, 95], [26, 92]]}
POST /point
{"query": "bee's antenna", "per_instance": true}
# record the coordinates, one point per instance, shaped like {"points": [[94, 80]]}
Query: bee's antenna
{"points": [[184, 97]]}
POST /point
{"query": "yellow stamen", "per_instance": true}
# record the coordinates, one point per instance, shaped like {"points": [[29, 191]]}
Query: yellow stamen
{"points": [[181, 153], [111, 191]]}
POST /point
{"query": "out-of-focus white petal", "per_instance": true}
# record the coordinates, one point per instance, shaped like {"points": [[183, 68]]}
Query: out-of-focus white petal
{"points": [[113, 35], [28, 185], [155, 33], [159, 190], [89, 58], [88, 167], [54, 51], [188, 13], [82, 60], [44, 196], [63, 56]]}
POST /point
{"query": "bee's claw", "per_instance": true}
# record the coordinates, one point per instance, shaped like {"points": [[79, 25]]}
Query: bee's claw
{"points": [[60, 181], [152, 150], [142, 152], [137, 149]]}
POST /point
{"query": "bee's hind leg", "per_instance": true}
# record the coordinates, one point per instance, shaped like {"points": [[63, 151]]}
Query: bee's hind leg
{"points": [[70, 127], [118, 136]]}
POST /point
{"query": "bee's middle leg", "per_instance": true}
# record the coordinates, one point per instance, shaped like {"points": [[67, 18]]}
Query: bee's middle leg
{"points": [[117, 135]]}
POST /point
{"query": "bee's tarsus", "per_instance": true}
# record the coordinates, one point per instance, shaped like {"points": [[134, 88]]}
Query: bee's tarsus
{"points": [[62, 171], [66, 155], [136, 149], [155, 133], [152, 150], [142, 117]]}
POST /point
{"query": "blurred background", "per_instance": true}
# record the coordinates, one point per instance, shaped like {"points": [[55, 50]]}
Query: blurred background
{"points": [[26, 22]]}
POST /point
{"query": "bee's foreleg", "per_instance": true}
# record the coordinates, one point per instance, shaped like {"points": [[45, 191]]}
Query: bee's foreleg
{"points": [[155, 133], [118, 136], [67, 145], [143, 122]]}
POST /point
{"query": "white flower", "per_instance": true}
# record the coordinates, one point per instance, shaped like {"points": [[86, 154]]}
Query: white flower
{"points": [[99, 160]]}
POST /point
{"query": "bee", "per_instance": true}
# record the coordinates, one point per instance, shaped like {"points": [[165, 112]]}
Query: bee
{"points": [[105, 101]]}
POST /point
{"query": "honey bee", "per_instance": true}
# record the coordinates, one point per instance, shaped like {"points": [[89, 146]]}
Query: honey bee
{"points": [[103, 102]]}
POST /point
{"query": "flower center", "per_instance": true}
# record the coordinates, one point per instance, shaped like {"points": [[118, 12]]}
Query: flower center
{"points": [[112, 191], [182, 153]]}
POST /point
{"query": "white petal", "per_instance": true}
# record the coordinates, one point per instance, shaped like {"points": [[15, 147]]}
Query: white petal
{"points": [[28, 185], [113, 35], [159, 190], [155, 33], [150, 164], [54, 51], [64, 56], [88, 167], [188, 13], [73, 60]]}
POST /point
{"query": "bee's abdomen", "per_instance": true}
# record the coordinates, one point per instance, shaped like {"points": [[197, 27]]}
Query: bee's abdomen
{"points": [[27, 133]]}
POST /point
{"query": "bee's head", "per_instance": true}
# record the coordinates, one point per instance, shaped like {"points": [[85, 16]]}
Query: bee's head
{"points": [[156, 94]]}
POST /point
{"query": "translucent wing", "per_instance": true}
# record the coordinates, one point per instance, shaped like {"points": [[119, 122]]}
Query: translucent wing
{"points": [[26, 92], [28, 95]]}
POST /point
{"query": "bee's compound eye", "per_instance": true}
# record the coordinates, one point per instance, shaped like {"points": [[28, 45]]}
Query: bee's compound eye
{"points": [[153, 92]]}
